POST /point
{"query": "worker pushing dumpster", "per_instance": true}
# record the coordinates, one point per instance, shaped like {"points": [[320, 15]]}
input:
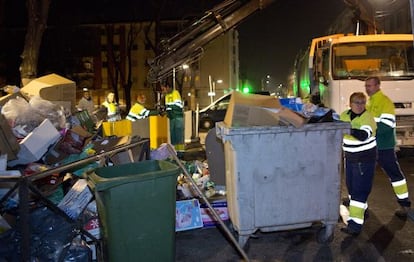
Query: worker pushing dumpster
{"points": [[282, 177]]}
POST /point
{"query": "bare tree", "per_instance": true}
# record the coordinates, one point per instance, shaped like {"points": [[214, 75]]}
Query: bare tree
{"points": [[127, 84], [112, 57], [37, 11], [117, 59]]}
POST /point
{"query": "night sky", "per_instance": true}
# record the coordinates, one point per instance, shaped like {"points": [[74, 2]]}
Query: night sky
{"points": [[270, 39]]}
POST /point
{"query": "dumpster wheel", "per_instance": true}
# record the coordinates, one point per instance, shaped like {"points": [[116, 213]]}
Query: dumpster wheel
{"points": [[326, 234], [242, 240]]}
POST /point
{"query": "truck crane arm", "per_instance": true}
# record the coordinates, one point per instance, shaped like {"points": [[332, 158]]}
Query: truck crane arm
{"points": [[187, 45], [364, 16]]}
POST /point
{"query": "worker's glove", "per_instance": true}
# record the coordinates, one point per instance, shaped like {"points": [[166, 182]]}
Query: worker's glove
{"points": [[160, 108]]}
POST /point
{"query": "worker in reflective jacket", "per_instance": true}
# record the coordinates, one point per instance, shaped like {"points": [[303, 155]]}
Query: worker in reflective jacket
{"points": [[382, 108], [138, 110], [174, 108], [360, 150], [112, 108]]}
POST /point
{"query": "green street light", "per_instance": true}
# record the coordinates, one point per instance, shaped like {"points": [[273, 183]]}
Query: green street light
{"points": [[246, 89]]}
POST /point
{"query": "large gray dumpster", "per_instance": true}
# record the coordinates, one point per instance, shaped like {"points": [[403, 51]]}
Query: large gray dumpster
{"points": [[282, 177]]}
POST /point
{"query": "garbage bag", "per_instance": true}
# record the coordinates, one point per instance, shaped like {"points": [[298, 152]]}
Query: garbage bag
{"points": [[78, 251], [50, 233]]}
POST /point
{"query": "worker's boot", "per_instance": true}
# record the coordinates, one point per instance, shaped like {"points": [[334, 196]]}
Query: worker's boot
{"points": [[402, 212]]}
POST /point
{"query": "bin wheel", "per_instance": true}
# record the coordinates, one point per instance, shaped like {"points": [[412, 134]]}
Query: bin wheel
{"points": [[326, 234]]}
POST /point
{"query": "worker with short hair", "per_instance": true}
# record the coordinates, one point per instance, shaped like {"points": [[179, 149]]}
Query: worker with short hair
{"points": [[112, 108], [174, 108], [360, 149], [138, 110], [383, 110]]}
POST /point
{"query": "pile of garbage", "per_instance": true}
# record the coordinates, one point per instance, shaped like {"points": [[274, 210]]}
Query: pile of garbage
{"points": [[38, 134]]}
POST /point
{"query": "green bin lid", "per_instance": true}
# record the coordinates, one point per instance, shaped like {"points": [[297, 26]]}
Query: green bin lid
{"points": [[104, 178]]}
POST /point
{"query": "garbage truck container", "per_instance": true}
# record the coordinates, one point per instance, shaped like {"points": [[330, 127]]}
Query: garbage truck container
{"points": [[136, 206], [282, 177]]}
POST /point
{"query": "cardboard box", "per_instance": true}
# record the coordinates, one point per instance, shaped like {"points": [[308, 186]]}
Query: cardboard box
{"points": [[72, 143], [208, 218], [8, 142], [257, 110], [36, 143], [141, 128], [91, 220], [127, 128], [76, 200], [130, 155], [106, 144], [52, 87], [93, 227], [187, 215]]}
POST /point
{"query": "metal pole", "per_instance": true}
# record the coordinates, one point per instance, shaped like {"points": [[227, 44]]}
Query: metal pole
{"points": [[173, 83], [201, 194], [210, 93], [412, 15], [86, 160]]}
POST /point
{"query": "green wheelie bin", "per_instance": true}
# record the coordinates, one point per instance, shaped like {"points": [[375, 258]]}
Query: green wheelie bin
{"points": [[136, 207]]}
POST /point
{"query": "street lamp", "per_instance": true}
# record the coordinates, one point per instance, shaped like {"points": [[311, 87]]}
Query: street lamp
{"points": [[212, 84], [212, 91]]}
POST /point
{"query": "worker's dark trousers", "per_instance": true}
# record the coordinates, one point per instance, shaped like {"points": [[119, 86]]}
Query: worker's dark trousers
{"points": [[359, 179], [177, 130], [387, 159]]}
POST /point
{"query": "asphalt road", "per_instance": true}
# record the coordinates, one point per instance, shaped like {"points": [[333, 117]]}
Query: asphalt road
{"points": [[385, 237]]}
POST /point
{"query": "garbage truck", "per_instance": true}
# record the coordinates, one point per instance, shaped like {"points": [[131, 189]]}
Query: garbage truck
{"points": [[335, 66]]}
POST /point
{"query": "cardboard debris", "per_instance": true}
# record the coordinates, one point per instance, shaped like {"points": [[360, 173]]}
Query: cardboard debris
{"points": [[54, 88], [220, 206], [187, 215], [75, 138], [76, 200], [8, 142], [256, 110], [36, 143]]}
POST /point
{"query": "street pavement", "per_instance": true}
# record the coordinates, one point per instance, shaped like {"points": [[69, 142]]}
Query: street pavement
{"points": [[385, 237]]}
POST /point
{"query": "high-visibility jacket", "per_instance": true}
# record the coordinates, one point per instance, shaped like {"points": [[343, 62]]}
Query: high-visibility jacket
{"points": [[112, 110], [359, 151], [137, 111], [174, 105], [382, 109], [355, 148]]}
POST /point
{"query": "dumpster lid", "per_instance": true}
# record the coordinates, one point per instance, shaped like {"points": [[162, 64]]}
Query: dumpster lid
{"points": [[223, 131]]}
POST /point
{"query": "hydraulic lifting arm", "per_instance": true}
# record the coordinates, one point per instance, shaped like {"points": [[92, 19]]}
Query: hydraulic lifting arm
{"points": [[364, 15], [187, 45]]}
